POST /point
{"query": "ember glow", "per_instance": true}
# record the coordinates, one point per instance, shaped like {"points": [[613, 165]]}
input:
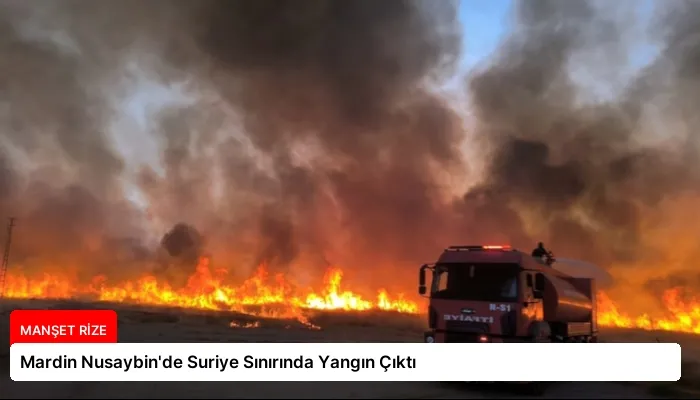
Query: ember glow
{"points": [[275, 296], [246, 325]]}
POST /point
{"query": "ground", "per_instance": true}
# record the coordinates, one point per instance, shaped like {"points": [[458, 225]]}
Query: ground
{"points": [[160, 325]]}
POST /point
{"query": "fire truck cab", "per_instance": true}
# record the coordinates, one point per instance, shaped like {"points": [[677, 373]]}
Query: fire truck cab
{"points": [[499, 294]]}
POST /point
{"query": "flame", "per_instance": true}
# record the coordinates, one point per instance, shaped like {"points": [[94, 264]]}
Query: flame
{"points": [[272, 296], [245, 325], [682, 313], [275, 296]]}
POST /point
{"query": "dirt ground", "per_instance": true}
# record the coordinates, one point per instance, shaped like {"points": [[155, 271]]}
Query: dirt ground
{"points": [[159, 325]]}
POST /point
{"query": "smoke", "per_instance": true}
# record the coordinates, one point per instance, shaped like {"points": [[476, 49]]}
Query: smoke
{"points": [[314, 133], [348, 78], [333, 98], [588, 174], [59, 175]]}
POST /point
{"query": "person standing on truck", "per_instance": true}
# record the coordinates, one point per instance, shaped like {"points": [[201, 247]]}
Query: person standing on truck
{"points": [[539, 251], [543, 254]]}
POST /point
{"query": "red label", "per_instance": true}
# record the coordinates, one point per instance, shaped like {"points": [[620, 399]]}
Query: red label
{"points": [[63, 326]]}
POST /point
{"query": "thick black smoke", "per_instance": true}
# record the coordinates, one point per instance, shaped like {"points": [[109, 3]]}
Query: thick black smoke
{"points": [[577, 173]]}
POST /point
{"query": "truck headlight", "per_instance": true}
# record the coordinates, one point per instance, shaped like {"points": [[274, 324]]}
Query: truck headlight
{"points": [[429, 339]]}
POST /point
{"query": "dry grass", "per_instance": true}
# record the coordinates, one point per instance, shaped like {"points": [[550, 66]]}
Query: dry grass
{"points": [[689, 384], [149, 324], [688, 387], [690, 343]]}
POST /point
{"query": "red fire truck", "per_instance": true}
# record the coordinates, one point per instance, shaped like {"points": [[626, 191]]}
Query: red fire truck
{"points": [[499, 294]]}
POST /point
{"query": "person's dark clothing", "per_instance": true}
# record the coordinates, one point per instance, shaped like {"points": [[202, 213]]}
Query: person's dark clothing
{"points": [[539, 252]]}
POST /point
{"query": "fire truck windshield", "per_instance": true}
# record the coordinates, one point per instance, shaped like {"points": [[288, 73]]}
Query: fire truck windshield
{"points": [[480, 282]]}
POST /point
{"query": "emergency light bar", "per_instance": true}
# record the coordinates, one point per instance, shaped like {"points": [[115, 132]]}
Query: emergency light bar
{"points": [[479, 248]]}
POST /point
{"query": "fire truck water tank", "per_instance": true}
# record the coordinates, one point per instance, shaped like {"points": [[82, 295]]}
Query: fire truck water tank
{"points": [[564, 303]]}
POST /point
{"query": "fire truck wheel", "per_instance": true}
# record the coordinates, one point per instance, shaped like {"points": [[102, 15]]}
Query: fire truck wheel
{"points": [[541, 332]]}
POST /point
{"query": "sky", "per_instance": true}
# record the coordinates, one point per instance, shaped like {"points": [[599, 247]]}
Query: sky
{"points": [[484, 23]]}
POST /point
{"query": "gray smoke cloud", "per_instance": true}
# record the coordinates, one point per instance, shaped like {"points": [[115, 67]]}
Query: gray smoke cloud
{"points": [[348, 81], [345, 83], [312, 136], [580, 171], [67, 195]]}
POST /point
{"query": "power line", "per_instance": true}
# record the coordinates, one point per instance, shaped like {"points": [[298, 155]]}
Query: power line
{"points": [[6, 256]]}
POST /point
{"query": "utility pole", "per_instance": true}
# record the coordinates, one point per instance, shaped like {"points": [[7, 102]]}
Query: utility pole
{"points": [[6, 257]]}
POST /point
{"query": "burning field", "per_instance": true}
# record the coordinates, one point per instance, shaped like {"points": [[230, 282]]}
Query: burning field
{"points": [[275, 296], [265, 295], [279, 157]]}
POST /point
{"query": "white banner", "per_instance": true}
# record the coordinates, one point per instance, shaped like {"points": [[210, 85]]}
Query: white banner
{"points": [[517, 362]]}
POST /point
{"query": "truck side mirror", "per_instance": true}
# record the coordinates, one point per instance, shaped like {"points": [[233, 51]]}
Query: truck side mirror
{"points": [[422, 289], [539, 283]]}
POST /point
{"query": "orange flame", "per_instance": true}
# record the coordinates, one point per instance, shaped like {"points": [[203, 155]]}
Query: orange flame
{"points": [[276, 297], [205, 289], [681, 315]]}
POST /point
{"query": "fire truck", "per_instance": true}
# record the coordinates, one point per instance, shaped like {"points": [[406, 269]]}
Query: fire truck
{"points": [[499, 294]]}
